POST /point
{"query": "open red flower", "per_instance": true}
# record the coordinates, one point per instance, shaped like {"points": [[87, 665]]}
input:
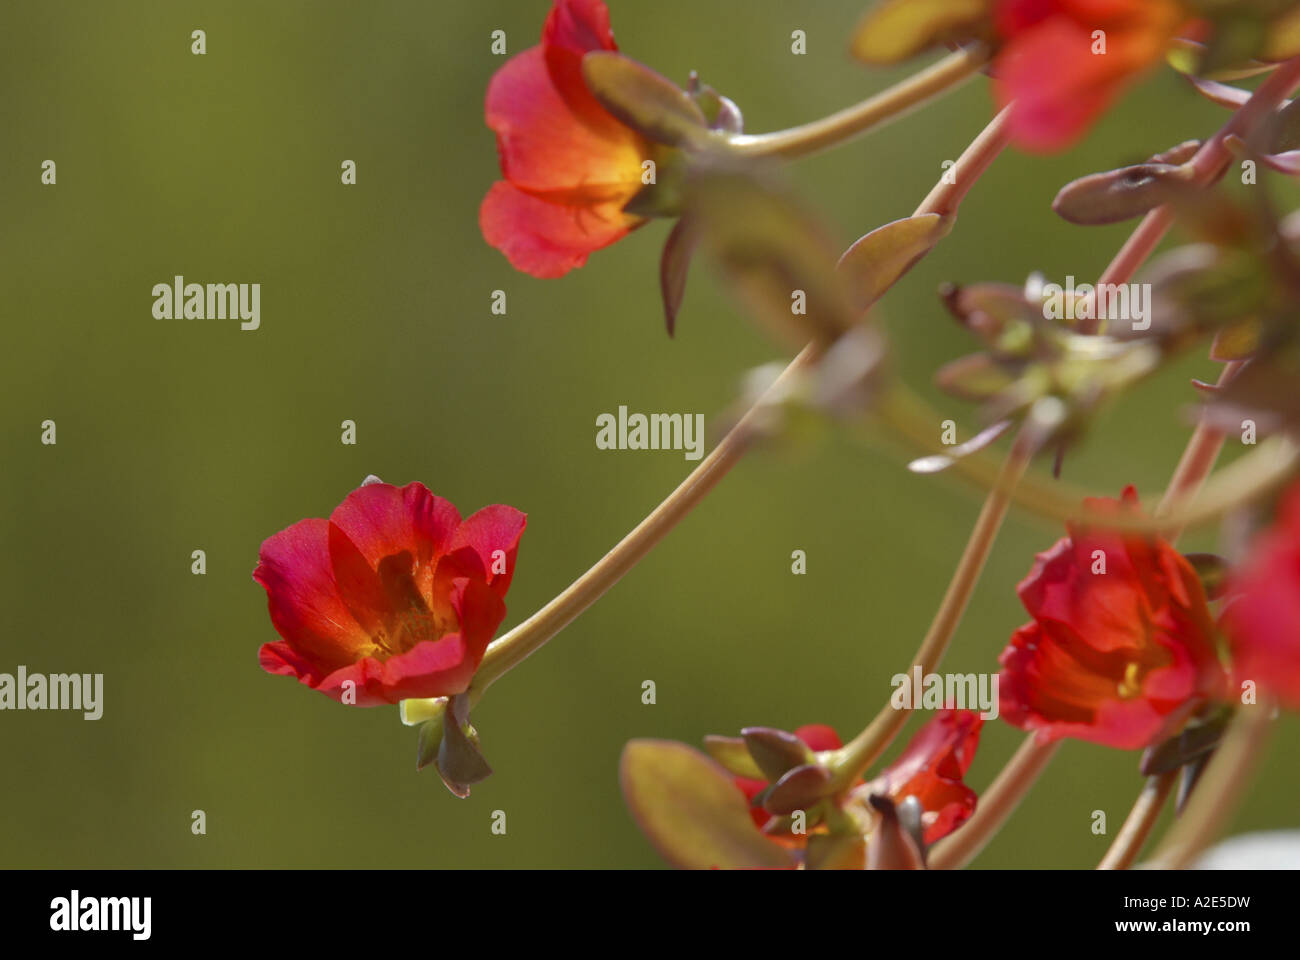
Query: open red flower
{"points": [[1263, 618], [569, 165], [931, 769], [392, 597], [1120, 656], [1052, 64]]}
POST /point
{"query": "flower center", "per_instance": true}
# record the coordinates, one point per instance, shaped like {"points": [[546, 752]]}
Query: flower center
{"points": [[1131, 685]]}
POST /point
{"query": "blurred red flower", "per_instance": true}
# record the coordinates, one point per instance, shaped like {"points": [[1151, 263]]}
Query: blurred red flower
{"points": [[569, 165], [1121, 649], [1063, 62], [931, 769], [1263, 618], [393, 597]]}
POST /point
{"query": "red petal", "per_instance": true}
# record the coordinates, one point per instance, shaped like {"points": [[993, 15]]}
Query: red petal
{"points": [[548, 239], [573, 29], [546, 149], [1059, 86], [931, 769], [1263, 623], [383, 521], [304, 601], [358, 583], [493, 528]]}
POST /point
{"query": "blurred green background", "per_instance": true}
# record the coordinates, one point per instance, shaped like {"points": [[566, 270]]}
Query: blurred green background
{"points": [[181, 435]]}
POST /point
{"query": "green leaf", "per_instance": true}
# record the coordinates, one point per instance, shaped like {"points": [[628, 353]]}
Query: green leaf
{"points": [[1283, 41], [835, 851], [1219, 93], [1235, 40], [799, 789], [1118, 195], [427, 742], [691, 811], [988, 308], [1195, 741], [1237, 341], [1188, 57], [775, 751], [460, 762], [734, 756], [674, 264], [1264, 391], [1286, 133], [898, 29], [876, 261], [645, 101], [975, 377]]}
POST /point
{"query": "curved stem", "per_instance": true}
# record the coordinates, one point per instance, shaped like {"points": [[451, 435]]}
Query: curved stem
{"points": [[512, 648], [950, 191], [1137, 825], [507, 651], [864, 749], [995, 805], [872, 112], [1219, 791]]}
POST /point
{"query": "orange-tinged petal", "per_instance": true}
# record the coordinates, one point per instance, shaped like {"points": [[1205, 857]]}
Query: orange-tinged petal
{"points": [[548, 239], [548, 150]]}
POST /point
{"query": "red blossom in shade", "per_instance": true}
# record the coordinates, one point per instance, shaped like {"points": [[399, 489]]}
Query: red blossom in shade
{"points": [[931, 769], [569, 165], [1120, 657], [1263, 618], [394, 592], [1047, 65]]}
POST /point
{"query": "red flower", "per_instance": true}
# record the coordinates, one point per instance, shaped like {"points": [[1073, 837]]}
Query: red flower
{"points": [[1051, 68], [1263, 622], [931, 769], [569, 166], [1120, 657], [394, 593]]}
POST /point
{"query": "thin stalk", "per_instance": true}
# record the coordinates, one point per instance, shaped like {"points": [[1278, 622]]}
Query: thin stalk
{"points": [[864, 749], [996, 804], [889, 104], [1137, 825], [1221, 788], [856, 756], [1189, 477], [512, 648]]}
